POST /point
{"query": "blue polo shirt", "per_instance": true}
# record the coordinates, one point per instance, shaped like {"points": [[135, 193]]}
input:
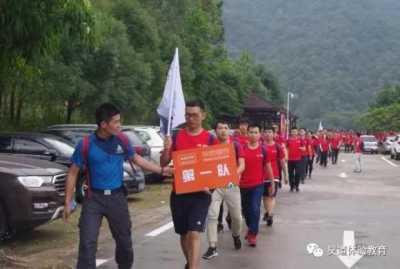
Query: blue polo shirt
{"points": [[105, 161]]}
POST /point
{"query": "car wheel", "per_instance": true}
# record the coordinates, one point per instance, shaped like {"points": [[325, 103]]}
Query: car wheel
{"points": [[79, 191], [3, 223], [391, 156]]}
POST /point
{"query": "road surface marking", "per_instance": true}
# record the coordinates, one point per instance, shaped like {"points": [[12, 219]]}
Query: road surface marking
{"points": [[343, 175], [100, 262], [389, 162], [160, 230], [349, 243]]}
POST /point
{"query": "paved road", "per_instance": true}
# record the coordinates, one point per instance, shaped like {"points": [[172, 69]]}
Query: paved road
{"points": [[334, 201]]}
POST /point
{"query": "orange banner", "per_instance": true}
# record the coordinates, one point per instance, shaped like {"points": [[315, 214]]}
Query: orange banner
{"points": [[212, 167]]}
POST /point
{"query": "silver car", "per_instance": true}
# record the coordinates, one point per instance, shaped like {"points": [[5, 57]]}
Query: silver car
{"points": [[370, 143], [387, 144]]}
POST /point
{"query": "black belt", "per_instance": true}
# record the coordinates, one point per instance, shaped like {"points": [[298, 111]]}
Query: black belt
{"points": [[107, 192]]}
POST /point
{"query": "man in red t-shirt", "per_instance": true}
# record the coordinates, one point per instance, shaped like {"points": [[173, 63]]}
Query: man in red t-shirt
{"points": [[294, 149], [276, 156], [280, 138], [252, 182], [304, 153], [324, 148], [242, 137], [189, 211], [230, 195], [311, 142], [335, 147]]}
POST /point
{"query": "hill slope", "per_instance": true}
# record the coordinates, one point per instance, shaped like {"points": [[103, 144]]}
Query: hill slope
{"points": [[334, 54]]}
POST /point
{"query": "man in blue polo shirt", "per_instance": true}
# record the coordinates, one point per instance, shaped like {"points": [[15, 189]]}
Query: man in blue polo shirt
{"points": [[103, 154]]}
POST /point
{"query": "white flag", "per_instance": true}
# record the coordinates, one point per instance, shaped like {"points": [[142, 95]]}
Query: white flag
{"points": [[320, 128], [172, 107]]}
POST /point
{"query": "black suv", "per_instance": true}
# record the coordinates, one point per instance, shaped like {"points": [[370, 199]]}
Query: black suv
{"points": [[54, 148], [31, 193], [41, 146]]}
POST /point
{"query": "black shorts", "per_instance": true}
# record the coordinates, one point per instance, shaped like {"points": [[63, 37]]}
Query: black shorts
{"points": [[189, 211], [267, 185]]}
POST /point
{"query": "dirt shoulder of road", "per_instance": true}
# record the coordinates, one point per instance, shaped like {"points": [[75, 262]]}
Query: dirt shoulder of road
{"points": [[48, 246]]}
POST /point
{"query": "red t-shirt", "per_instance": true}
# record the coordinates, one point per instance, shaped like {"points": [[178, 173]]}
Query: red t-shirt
{"points": [[335, 142], [184, 140], [324, 144], [242, 139], [311, 149], [357, 145], [294, 152], [275, 154], [253, 174], [304, 142], [280, 139]]}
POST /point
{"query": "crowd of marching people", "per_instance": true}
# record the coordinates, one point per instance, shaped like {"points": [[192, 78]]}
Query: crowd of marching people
{"points": [[266, 159], [288, 160]]}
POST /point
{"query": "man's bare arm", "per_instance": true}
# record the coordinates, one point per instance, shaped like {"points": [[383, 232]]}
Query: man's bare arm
{"points": [[241, 166], [72, 177], [150, 166]]}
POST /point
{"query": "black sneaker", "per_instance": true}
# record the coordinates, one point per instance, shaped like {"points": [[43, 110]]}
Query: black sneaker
{"points": [[270, 220], [237, 242], [265, 216], [220, 227], [211, 253], [297, 189]]}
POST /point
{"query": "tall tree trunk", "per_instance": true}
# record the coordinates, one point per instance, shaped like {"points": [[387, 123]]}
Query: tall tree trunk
{"points": [[12, 104], [1, 102], [19, 110], [70, 110]]}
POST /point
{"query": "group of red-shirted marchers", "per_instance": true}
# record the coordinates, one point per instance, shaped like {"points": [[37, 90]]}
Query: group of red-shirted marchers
{"points": [[265, 158]]}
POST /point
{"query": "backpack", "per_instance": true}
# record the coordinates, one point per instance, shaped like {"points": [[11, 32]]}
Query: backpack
{"points": [[85, 157]]}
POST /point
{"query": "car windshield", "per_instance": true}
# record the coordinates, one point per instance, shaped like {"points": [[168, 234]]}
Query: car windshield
{"points": [[155, 138], [61, 146], [369, 139], [73, 135]]}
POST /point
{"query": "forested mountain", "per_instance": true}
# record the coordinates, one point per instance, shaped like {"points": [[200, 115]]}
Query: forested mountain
{"points": [[60, 59], [335, 55]]}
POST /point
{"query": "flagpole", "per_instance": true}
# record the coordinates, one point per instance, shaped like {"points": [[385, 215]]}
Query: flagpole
{"points": [[170, 114], [172, 97], [288, 116]]}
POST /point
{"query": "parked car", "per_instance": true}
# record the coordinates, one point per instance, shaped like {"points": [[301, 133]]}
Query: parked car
{"points": [[395, 149], [56, 149], [387, 144], [31, 193], [75, 132], [36, 145], [150, 135], [370, 143]]}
